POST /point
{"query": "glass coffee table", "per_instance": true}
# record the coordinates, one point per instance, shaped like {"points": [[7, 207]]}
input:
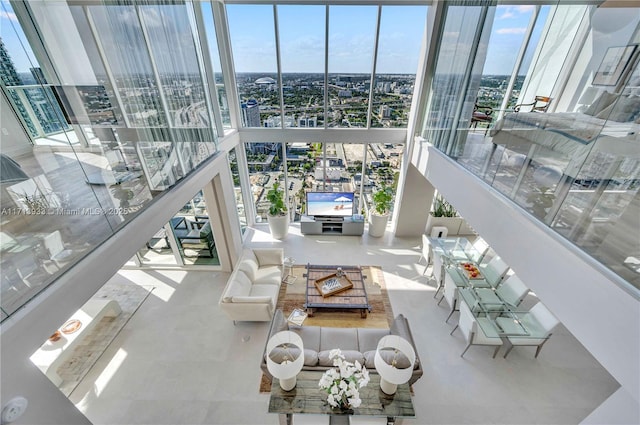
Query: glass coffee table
{"points": [[354, 298]]}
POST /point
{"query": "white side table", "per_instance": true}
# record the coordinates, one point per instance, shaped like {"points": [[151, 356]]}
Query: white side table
{"points": [[287, 264]]}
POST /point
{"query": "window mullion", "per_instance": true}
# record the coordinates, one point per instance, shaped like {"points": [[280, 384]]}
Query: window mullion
{"points": [[373, 68]]}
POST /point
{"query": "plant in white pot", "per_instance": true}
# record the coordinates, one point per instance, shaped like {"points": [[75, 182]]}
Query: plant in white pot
{"points": [[379, 214], [277, 217], [445, 215]]}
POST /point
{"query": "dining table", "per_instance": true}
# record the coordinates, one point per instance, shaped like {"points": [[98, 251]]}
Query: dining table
{"points": [[496, 317]]}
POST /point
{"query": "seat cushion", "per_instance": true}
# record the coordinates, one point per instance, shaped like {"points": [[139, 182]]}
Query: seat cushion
{"points": [[342, 338], [270, 275], [258, 290]]}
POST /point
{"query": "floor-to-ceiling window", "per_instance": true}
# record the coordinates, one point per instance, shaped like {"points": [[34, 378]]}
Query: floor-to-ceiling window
{"points": [[559, 136]]}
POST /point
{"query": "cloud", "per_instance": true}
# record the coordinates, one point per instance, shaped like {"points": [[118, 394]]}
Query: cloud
{"points": [[513, 11], [8, 15], [511, 31]]}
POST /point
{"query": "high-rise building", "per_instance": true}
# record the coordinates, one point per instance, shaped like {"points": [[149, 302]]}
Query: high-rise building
{"points": [[251, 113]]}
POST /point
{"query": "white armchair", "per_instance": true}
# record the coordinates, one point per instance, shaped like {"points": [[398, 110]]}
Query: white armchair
{"points": [[539, 320], [473, 333]]}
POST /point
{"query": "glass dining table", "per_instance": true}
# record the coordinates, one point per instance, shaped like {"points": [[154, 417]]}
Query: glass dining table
{"points": [[499, 318], [455, 252]]}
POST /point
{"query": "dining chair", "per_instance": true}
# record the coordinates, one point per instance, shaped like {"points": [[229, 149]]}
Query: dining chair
{"points": [[540, 321], [496, 269], [58, 254], [302, 419], [426, 252], [512, 290], [472, 332], [482, 247], [450, 295], [437, 271]]}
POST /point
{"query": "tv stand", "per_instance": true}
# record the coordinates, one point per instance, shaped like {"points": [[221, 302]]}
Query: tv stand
{"points": [[346, 226]]}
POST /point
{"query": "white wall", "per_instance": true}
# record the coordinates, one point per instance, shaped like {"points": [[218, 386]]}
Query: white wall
{"points": [[28, 328], [580, 292]]}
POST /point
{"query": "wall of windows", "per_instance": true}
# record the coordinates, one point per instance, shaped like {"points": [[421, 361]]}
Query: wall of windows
{"points": [[128, 116], [314, 66], [566, 150]]}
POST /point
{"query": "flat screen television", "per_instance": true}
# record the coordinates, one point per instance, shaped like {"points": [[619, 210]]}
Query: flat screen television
{"points": [[330, 204]]}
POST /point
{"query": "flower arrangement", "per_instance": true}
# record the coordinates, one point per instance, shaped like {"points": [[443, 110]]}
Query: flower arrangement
{"points": [[343, 381]]}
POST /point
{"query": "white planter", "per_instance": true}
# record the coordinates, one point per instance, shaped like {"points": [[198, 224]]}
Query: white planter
{"points": [[278, 225], [377, 224], [451, 223]]}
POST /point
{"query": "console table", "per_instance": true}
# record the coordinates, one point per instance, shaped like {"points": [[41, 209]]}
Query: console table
{"points": [[308, 398], [347, 226]]}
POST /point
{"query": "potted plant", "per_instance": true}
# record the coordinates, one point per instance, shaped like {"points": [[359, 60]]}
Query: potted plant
{"points": [[445, 215], [277, 217], [379, 214]]}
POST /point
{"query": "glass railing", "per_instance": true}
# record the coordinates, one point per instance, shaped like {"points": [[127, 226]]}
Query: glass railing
{"points": [[577, 173], [59, 204]]}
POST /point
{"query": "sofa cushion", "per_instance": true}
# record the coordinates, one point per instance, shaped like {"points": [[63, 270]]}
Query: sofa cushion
{"points": [[268, 257], [250, 267], [601, 102], [342, 338], [349, 355], [402, 361], [310, 336], [258, 290], [238, 285], [270, 275], [368, 338]]}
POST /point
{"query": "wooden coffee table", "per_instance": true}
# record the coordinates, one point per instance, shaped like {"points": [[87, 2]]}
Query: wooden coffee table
{"points": [[354, 298]]}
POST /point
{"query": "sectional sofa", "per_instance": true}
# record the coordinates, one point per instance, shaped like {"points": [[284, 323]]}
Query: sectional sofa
{"points": [[356, 344]]}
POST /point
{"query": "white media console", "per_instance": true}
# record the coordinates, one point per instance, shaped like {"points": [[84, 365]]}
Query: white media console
{"points": [[331, 226]]}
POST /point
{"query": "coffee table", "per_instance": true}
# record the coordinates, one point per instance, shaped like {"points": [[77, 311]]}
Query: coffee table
{"points": [[351, 299], [308, 398]]}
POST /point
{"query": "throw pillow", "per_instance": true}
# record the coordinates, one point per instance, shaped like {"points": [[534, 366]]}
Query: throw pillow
{"points": [[625, 109], [268, 257]]}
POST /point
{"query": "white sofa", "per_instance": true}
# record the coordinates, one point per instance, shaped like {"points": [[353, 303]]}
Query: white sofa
{"points": [[252, 291]]}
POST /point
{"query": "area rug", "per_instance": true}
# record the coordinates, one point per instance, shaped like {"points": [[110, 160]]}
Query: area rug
{"points": [[94, 344], [293, 296]]}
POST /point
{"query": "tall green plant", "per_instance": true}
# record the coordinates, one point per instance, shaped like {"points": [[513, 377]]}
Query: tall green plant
{"points": [[442, 208], [383, 199], [275, 196]]}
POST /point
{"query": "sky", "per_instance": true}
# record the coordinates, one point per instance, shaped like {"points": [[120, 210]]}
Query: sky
{"points": [[302, 38]]}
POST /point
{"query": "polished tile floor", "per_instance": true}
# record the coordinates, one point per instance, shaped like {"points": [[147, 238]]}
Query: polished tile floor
{"points": [[180, 360]]}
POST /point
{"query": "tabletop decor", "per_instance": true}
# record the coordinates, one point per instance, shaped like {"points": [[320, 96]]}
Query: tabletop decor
{"points": [[394, 361], [285, 358], [343, 381]]}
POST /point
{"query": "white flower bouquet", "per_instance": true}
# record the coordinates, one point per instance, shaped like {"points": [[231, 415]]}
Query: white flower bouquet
{"points": [[343, 381]]}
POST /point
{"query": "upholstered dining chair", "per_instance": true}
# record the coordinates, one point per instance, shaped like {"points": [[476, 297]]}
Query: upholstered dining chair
{"points": [[450, 295], [437, 271], [426, 252], [495, 270], [538, 319], [300, 419], [58, 254], [473, 333], [482, 247], [512, 290]]}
